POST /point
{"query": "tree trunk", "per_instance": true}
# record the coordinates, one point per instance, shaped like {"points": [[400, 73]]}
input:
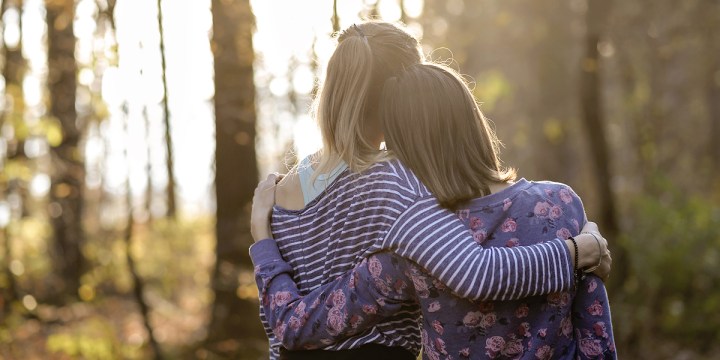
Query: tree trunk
{"points": [[148, 167], [67, 181], [335, 18], [14, 74], [236, 172], [171, 197], [138, 282], [712, 91], [593, 117]]}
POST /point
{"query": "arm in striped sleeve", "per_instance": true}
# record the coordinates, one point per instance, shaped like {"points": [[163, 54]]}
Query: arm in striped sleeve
{"points": [[437, 240], [350, 304]]}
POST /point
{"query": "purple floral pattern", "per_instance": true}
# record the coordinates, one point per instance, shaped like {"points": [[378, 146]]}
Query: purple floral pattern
{"points": [[563, 325]]}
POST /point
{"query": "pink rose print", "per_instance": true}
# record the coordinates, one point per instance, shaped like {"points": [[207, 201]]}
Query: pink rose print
{"points": [[381, 286], [472, 319], [300, 309], [542, 333], [565, 196], [554, 299], [486, 306], [522, 311], [399, 286], [434, 306], [599, 329], [564, 299], [566, 326], [595, 309], [432, 354], [513, 348], [355, 320], [592, 285], [494, 345], [555, 212], [464, 352], [440, 346], [512, 242], [279, 330], [369, 309], [524, 330], [294, 323], [475, 223], [438, 284], [338, 298], [375, 267], [590, 347], [488, 320], [548, 192], [576, 225], [479, 236], [506, 204], [353, 280], [335, 321], [545, 352], [509, 225], [421, 287], [463, 214], [282, 298], [542, 209], [438, 327], [563, 234]]}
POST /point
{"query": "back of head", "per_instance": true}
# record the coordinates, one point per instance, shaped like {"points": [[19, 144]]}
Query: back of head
{"points": [[434, 126], [346, 108]]}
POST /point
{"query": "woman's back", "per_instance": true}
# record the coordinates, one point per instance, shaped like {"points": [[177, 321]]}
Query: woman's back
{"points": [[538, 327]]}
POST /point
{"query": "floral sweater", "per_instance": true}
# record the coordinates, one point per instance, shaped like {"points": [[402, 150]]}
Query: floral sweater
{"points": [[386, 207], [561, 325]]}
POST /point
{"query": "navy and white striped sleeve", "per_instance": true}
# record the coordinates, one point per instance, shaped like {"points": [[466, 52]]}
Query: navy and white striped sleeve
{"points": [[437, 240]]}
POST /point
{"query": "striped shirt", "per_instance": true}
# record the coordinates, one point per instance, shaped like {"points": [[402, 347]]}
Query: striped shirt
{"points": [[388, 208]]}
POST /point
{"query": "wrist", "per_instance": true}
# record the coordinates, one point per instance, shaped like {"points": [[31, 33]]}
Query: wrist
{"points": [[588, 250], [260, 232]]}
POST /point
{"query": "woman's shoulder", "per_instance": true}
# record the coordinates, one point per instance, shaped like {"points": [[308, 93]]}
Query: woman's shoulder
{"points": [[550, 188]]}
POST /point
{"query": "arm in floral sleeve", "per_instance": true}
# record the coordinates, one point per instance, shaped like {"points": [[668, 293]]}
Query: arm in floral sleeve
{"points": [[592, 321], [348, 305]]}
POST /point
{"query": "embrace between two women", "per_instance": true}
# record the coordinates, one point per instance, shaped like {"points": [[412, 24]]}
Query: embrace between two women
{"points": [[428, 245]]}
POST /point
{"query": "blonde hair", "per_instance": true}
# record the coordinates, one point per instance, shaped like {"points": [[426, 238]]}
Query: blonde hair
{"points": [[367, 54], [434, 126]]}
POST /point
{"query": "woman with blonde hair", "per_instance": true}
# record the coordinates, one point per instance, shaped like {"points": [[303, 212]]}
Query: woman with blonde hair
{"points": [[433, 126], [350, 201]]}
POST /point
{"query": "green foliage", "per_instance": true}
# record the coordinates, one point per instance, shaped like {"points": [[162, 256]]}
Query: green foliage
{"points": [[674, 285], [491, 87], [93, 339]]}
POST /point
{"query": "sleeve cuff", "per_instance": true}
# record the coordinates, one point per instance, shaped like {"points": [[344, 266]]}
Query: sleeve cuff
{"points": [[265, 251]]}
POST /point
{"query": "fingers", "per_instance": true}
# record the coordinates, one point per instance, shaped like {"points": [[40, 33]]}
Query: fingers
{"points": [[603, 271], [590, 227], [268, 183]]}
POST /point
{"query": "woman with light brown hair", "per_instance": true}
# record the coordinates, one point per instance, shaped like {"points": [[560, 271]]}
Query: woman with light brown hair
{"points": [[377, 203]]}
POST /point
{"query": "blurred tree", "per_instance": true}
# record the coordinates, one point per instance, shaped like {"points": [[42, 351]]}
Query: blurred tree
{"points": [[68, 173], [12, 184], [593, 115], [138, 282], [171, 197], [335, 18], [236, 172]]}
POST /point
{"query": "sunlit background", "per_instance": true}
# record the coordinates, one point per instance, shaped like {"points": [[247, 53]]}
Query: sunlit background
{"points": [[645, 158]]}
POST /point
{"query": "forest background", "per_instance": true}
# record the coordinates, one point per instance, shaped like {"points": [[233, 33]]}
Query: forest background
{"points": [[133, 133]]}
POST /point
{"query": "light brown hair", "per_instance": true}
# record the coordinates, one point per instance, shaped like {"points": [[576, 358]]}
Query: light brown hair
{"points": [[434, 126], [367, 54]]}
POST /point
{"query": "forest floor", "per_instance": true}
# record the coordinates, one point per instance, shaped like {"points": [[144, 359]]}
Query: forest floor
{"points": [[111, 328]]}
